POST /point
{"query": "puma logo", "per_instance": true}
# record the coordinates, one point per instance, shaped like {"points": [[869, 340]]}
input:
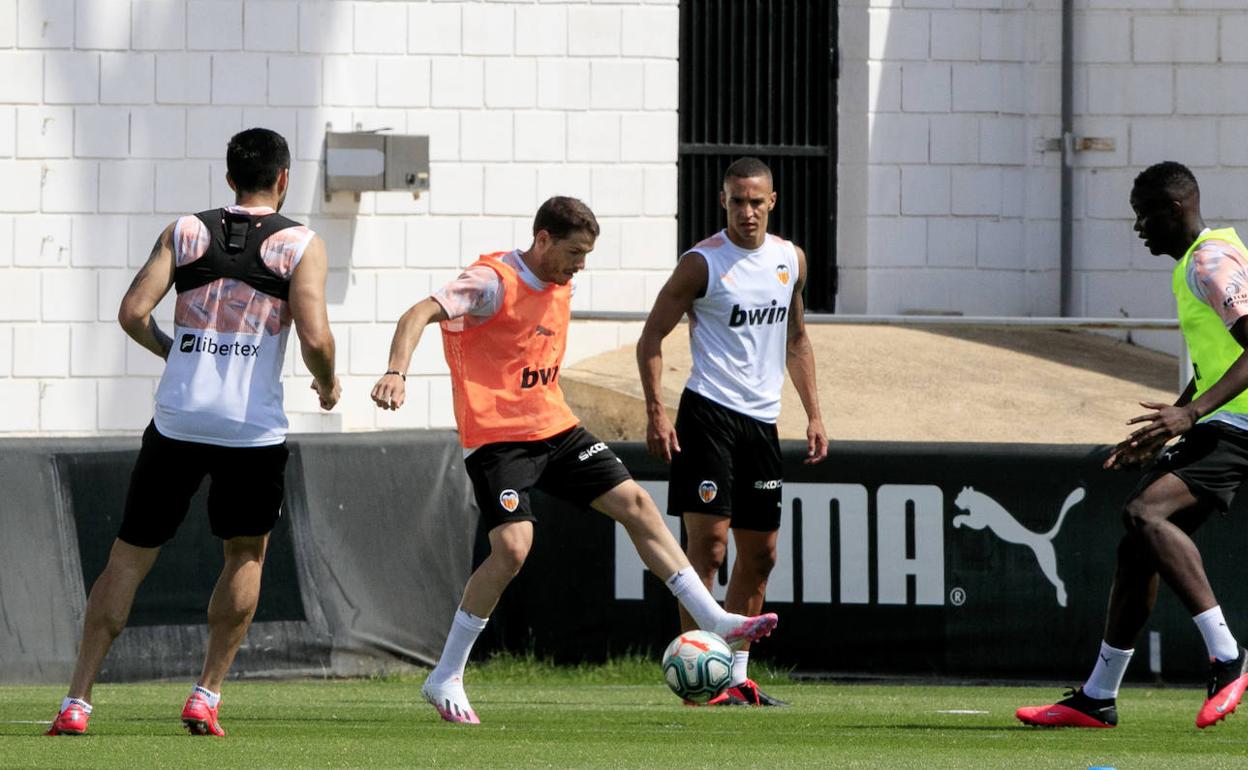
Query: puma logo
{"points": [[982, 511]]}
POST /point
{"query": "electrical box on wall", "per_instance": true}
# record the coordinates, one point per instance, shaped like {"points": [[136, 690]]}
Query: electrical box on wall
{"points": [[364, 161]]}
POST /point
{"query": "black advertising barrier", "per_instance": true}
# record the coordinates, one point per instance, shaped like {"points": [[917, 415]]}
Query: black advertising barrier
{"points": [[363, 572], [956, 560]]}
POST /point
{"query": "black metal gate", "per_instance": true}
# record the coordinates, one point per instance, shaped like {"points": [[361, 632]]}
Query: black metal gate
{"points": [[758, 77]]}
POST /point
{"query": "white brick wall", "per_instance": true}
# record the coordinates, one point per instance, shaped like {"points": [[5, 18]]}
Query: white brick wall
{"points": [[114, 116], [942, 106], [114, 113]]}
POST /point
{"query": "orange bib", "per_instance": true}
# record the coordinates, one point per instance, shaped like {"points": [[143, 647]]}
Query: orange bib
{"points": [[504, 372]]}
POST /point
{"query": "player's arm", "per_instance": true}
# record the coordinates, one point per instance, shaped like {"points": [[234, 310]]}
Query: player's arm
{"points": [[1219, 273], [146, 291], [1130, 453], [307, 308], [1172, 420], [687, 283], [391, 391], [800, 359]]}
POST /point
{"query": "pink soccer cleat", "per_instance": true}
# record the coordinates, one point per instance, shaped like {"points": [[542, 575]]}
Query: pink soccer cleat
{"points": [[450, 701], [200, 718], [1075, 710], [745, 694], [71, 721], [1227, 680], [738, 629]]}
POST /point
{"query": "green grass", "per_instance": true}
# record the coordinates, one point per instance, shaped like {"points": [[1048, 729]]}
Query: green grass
{"points": [[618, 715]]}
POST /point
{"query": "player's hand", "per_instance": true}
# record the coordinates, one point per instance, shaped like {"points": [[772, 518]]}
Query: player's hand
{"points": [[816, 443], [1131, 454], [661, 436], [390, 392], [1164, 422], [328, 394]]}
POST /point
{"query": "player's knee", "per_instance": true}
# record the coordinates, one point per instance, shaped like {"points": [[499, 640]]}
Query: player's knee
{"points": [[1138, 517], [511, 554], [760, 562], [112, 621], [230, 613], [707, 554], [637, 508]]}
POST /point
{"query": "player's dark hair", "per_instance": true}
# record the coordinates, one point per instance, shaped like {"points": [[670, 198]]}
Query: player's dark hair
{"points": [[255, 158], [560, 215], [744, 168], [1169, 179]]}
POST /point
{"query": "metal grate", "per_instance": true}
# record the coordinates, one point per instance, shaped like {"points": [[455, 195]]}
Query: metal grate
{"points": [[757, 77]]}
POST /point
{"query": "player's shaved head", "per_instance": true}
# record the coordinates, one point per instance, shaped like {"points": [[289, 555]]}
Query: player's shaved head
{"points": [[745, 168], [1169, 180]]}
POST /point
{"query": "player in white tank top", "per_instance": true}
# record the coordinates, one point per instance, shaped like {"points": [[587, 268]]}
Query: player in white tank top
{"points": [[742, 290], [218, 409]]}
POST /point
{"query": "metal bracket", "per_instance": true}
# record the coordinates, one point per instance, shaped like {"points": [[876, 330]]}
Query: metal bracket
{"points": [[1078, 144]]}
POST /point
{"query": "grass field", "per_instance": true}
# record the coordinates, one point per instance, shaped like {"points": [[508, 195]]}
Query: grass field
{"points": [[615, 716]]}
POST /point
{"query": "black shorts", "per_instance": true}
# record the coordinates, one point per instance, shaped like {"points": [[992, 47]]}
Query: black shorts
{"points": [[1211, 458], [728, 465], [572, 466], [244, 499]]}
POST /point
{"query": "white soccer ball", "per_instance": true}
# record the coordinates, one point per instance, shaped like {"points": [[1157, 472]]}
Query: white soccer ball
{"points": [[697, 665]]}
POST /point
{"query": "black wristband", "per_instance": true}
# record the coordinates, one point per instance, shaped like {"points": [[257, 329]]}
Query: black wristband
{"points": [[395, 371]]}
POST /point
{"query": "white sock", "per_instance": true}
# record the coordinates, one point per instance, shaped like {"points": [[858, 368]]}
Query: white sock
{"points": [[1106, 678], [213, 698], [67, 700], [465, 629], [688, 589], [740, 660], [1218, 638]]}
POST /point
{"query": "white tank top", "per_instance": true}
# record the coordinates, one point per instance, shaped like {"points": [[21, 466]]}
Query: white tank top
{"points": [[223, 379], [739, 329]]}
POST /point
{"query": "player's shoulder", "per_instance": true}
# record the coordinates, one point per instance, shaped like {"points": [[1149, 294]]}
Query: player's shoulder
{"points": [[1215, 248], [710, 243], [1214, 255]]}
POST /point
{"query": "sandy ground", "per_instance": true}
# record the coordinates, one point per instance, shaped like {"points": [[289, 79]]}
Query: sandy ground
{"points": [[887, 383]]}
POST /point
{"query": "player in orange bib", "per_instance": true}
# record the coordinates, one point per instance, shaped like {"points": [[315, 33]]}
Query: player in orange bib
{"points": [[504, 331]]}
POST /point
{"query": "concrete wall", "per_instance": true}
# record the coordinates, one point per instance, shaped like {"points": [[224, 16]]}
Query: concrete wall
{"points": [[114, 116], [948, 202]]}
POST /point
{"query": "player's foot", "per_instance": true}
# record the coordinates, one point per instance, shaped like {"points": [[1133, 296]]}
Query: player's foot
{"points": [[200, 718], [450, 701], [71, 721], [745, 694], [737, 630], [1075, 710], [1227, 680]]}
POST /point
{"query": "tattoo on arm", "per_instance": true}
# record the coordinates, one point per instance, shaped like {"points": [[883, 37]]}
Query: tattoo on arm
{"points": [[151, 260]]}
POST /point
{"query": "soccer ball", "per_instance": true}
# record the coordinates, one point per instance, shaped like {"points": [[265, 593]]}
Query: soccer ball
{"points": [[697, 665]]}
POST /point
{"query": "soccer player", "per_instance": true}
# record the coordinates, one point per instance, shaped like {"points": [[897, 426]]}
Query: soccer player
{"points": [[504, 331], [1188, 481], [742, 290], [242, 274]]}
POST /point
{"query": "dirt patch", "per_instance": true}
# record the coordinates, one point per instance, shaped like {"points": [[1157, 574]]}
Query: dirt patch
{"points": [[890, 383]]}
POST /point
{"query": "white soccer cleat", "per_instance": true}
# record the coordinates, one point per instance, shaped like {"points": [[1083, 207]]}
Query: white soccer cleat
{"points": [[737, 630], [450, 700]]}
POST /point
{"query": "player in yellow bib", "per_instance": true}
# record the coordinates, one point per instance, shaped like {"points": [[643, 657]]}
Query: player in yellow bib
{"points": [[1184, 483]]}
